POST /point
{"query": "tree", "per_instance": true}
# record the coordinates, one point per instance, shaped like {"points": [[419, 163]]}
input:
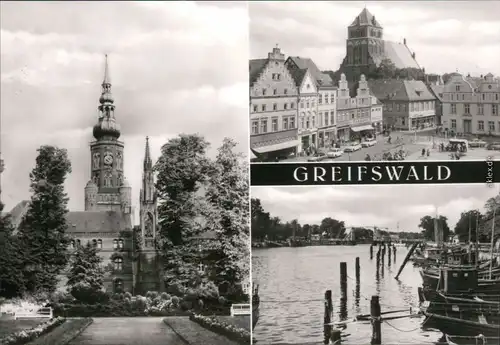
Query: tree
{"points": [[492, 204], [86, 277], [333, 227], [386, 70], [228, 214], [469, 219], [427, 225], [11, 276], [42, 232], [260, 220], [182, 169]]}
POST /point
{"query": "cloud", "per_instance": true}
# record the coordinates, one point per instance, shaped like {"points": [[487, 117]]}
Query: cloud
{"points": [[383, 206], [175, 67], [465, 36]]}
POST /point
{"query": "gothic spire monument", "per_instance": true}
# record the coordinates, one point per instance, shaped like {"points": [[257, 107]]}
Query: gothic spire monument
{"points": [[148, 203], [107, 189]]}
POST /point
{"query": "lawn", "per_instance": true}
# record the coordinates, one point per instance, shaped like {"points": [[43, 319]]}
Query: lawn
{"points": [[237, 321], [63, 333], [9, 325]]}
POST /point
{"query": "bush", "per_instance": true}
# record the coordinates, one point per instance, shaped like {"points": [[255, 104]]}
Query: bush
{"points": [[175, 301], [24, 336], [240, 335], [151, 294], [88, 295], [165, 296]]}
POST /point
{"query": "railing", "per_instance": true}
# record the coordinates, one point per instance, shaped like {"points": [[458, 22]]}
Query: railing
{"points": [[45, 313], [240, 309]]}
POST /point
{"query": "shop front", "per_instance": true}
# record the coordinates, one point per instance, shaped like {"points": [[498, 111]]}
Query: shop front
{"points": [[270, 147], [344, 134], [308, 141], [360, 132], [423, 122], [327, 137]]}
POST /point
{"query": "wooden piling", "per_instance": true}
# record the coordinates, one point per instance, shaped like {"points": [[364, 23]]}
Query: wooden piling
{"points": [[410, 252], [371, 251], [336, 336], [389, 254], [357, 270], [343, 279], [376, 321], [327, 327]]}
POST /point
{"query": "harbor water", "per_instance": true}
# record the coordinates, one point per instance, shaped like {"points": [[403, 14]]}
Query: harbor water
{"points": [[292, 283]]}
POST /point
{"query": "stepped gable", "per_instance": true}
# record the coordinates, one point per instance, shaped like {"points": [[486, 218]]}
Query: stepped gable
{"points": [[322, 79], [98, 221], [256, 67]]}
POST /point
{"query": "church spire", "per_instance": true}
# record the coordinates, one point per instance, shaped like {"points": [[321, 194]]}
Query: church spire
{"points": [[148, 163], [107, 126]]}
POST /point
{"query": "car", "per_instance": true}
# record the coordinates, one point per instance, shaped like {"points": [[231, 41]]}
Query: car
{"points": [[477, 143], [352, 147], [317, 157], [369, 142], [493, 146], [334, 153]]}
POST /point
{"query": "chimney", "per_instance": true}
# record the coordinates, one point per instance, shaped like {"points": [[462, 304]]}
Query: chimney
{"points": [[404, 41], [413, 56]]}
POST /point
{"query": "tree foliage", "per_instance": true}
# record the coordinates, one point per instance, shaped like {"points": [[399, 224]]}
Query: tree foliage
{"points": [[468, 220], [42, 232], [11, 276], [427, 226], [85, 277], [228, 213], [182, 169]]}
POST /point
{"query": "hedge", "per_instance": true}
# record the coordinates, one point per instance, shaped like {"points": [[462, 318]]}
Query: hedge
{"points": [[25, 336], [241, 336]]}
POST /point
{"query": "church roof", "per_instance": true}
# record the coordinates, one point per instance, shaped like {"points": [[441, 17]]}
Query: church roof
{"points": [[95, 221], [365, 18], [256, 67], [400, 55], [322, 79], [399, 90]]}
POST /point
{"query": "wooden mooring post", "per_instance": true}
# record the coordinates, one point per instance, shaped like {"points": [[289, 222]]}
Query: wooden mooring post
{"points": [[343, 279], [357, 270], [376, 321], [327, 328], [389, 254], [371, 251], [394, 251]]}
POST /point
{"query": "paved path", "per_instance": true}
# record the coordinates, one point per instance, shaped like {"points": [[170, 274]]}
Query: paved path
{"points": [[128, 331]]}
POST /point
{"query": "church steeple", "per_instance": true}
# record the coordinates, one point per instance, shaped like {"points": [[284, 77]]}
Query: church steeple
{"points": [[148, 163], [106, 128]]}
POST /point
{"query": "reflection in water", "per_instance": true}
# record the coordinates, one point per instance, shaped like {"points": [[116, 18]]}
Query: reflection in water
{"points": [[292, 286]]}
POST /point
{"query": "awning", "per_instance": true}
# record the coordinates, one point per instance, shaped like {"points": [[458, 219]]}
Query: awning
{"points": [[276, 147], [252, 155], [362, 128]]}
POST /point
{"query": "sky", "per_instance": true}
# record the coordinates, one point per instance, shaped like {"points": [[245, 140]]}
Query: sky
{"points": [[175, 67], [445, 35], [378, 205]]}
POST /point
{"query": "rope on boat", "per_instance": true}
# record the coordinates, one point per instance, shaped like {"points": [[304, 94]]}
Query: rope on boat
{"points": [[410, 330]]}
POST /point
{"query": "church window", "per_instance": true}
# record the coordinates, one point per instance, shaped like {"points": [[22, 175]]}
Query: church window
{"points": [[118, 264], [115, 244], [118, 285]]}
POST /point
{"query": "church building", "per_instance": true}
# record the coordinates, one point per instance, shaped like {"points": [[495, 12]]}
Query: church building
{"points": [[366, 49]]}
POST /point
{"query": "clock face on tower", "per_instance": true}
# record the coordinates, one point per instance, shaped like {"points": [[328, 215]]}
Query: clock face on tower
{"points": [[108, 158]]}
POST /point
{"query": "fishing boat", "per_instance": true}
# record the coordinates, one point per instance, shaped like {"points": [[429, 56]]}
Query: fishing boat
{"points": [[468, 340], [255, 306]]}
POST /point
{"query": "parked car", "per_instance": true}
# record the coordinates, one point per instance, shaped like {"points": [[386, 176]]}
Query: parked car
{"points": [[369, 142], [477, 143], [317, 157], [493, 146], [352, 147], [334, 153]]}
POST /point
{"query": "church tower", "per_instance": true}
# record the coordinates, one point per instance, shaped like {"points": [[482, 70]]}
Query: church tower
{"points": [[103, 192], [364, 39], [148, 203]]}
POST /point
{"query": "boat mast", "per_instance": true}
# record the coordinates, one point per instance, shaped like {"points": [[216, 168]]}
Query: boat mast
{"points": [[470, 239], [493, 234]]}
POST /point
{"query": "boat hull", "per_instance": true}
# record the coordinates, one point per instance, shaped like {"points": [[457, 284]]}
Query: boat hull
{"points": [[460, 327]]}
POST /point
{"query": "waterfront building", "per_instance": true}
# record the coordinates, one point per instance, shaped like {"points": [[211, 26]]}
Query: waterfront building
{"points": [[354, 114], [407, 104], [273, 107], [366, 49], [471, 105], [317, 103]]}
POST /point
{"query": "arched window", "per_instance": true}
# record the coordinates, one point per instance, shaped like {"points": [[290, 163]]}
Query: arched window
{"points": [[115, 244], [118, 264], [120, 244], [78, 243], [118, 286], [99, 244]]}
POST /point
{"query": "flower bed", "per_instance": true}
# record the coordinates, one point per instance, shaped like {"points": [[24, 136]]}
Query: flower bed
{"points": [[242, 336], [24, 336]]}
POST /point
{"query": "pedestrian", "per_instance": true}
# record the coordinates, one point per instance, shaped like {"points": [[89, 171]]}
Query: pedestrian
{"points": [[423, 152], [368, 158], [428, 152]]}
